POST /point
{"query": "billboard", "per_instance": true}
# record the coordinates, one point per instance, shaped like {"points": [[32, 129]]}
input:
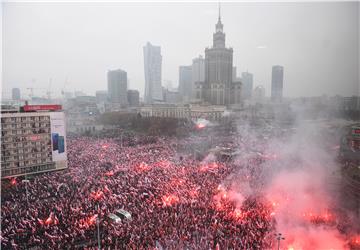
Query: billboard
{"points": [[52, 107], [58, 138]]}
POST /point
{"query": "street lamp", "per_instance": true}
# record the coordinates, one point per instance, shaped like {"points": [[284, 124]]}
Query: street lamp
{"points": [[26, 181], [121, 137], [97, 225], [279, 237], [98, 232]]}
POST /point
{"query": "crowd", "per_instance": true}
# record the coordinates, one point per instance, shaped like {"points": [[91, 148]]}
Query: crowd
{"points": [[176, 201]]}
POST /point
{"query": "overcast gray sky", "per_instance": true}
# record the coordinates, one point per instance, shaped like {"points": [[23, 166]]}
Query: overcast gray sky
{"points": [[317, 43]]}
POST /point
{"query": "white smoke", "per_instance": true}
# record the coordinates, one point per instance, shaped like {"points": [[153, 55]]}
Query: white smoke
{"points": [[299, 169]]}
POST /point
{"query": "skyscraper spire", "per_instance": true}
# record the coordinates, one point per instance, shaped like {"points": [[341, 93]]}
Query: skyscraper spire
{"points": [[219, 12], [219, 26], [219, 36]]}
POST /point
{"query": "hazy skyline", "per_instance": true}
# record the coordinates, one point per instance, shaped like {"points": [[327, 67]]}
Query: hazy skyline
{"points": [[317, 43]]}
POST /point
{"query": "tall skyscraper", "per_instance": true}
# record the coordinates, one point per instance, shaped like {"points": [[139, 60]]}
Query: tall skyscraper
{"points": [[198, 73], [152, 67], [247, 87], [219, 87], [185, 83], [16, 94], [277, 83], [117, 86]]}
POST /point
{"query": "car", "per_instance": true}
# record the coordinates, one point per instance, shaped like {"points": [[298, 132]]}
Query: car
{"points": [[123, 214], [114, 218]]}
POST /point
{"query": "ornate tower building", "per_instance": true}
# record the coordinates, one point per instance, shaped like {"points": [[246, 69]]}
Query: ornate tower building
{"points": [[218, 87]]}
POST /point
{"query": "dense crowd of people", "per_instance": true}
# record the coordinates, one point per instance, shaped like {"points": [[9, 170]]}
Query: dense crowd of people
{"points": [[176, 201]]}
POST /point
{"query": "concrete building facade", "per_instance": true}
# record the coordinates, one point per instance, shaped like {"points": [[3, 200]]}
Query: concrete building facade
{"points": [[152, 68], [218, 87], [247, 87], [277, 79], [185, 83], [15, 94], [117, 86]]}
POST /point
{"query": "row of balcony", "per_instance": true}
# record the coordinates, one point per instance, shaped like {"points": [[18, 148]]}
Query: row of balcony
{"points": [[9, 146], [27, 162], [8, 134], [6, 120], [24, 157], [29, 150], [14, 126]]}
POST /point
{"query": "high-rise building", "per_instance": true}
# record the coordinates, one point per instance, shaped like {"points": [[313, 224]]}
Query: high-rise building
{"points": [[16, 94], [247, 87], [198, 73], [152, 67], [33, 140], [117, 86], [219, 87], [101, 96], [277, 83], [133, 97], [185, 83]]}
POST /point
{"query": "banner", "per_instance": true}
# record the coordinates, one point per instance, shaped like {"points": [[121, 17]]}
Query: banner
{"points": [[58, 136]]}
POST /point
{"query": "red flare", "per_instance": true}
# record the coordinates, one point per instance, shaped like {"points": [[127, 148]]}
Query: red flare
{"points": [[200, 126], [97, 195], [355, 242], [110, 173], [48, 221], [170, 200], [238, 214], [92, 220], [13, 181]]}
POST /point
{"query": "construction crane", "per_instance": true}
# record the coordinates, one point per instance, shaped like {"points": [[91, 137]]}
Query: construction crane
{"points": [[64, 88], [48, 90]]}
